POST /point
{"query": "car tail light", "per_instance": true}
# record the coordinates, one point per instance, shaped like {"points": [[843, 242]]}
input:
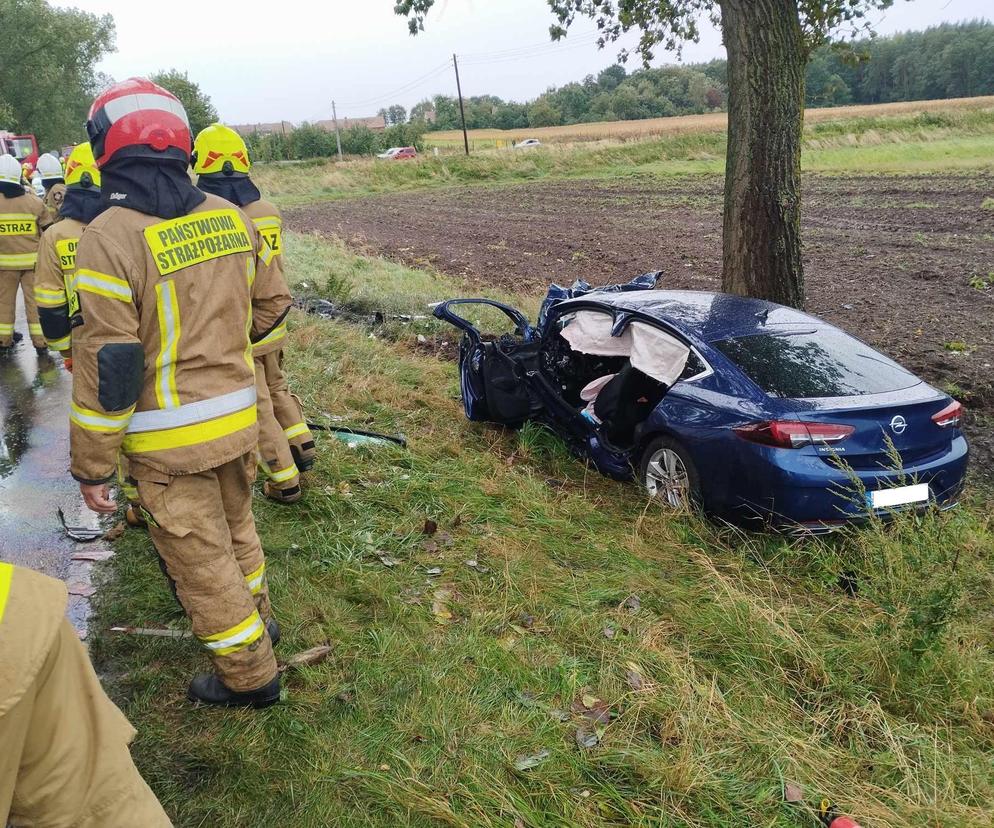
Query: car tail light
{"points": [[794, 435], [950, 416]]}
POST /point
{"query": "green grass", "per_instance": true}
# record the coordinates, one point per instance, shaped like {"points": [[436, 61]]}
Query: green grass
{"points": [[742, 663], [954, 141]]}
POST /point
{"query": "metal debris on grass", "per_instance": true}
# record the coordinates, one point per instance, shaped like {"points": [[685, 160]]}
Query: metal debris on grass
{"points": [[80, 534], [523, 763], [153, 632]]}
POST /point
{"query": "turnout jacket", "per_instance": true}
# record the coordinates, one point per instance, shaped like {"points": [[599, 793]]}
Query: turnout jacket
{"points": [[54, 196], [163, 366], [22, 218], [269, 225], [55, 292]]}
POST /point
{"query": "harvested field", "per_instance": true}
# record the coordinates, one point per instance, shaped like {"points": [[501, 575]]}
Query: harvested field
{"points": [[906, 263], [710, 122]]}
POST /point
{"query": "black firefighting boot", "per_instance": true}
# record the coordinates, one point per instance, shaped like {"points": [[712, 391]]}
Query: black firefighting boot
{"points": [[303, 455], [207, 688], [289, 495], [274, 631]]}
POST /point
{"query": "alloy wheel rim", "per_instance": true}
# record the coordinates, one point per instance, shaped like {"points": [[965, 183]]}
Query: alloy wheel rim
{"points": [[667, 479]]}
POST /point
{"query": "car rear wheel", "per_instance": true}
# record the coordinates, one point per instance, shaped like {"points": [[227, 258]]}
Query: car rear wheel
{"points": [[669, 475]]}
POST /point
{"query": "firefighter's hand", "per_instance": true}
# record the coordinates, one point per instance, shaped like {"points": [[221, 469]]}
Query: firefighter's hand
{"points": [[67, 363], [97, 497]]}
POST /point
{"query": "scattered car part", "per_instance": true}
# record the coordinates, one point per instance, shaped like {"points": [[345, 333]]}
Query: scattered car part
{"points": [[357, 436], [80, 534]]}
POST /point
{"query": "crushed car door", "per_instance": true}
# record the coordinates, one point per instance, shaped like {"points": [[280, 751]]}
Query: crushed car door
{"points": [[492, 370]]}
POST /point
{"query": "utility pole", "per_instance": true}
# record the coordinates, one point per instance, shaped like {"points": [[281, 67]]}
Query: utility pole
{"points": [[462, 109], [338, 135]]}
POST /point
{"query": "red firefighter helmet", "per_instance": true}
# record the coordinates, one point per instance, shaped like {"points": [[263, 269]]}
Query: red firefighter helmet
{"points": [[141, 117]]}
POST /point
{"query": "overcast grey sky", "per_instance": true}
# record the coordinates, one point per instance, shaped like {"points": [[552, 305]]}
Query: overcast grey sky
{"points": [[263, 61]]}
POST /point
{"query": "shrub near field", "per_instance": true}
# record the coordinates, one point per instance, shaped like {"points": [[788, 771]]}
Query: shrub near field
{"points": [[519, 641], [917, 141]]}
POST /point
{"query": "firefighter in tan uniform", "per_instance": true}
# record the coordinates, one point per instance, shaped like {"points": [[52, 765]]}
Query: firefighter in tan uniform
{"points": [[53, 181], [286, 446], [65, 759], [54, 291], [22, 218], [162, 368]]}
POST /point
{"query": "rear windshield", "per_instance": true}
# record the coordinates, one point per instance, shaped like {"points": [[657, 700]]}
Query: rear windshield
{"points": [[814, 363]]}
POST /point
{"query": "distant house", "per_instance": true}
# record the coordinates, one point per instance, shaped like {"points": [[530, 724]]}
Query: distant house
{"points": [[263, 129], [376, 123]]}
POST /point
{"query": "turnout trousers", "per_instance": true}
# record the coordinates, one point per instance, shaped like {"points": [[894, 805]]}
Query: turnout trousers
{"points": [[203, 529], [10, 281], [274, 447], [287, 409], [65, 758]]}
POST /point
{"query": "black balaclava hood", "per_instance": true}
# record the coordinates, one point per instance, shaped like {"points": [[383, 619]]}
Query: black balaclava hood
{"points": [[236, 188], [82, 203], [11, 189], [155, 185], [48, 183]]}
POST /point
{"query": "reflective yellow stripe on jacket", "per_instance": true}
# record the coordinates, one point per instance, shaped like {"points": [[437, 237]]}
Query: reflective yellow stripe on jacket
{"points": [[277, 334], [6, 573], [102, 284], [169, 334], [191, 424], [90, 420], [18, 261]]}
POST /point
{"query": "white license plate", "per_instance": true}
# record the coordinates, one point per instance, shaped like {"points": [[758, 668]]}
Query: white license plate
{"points": [[899, 496]]}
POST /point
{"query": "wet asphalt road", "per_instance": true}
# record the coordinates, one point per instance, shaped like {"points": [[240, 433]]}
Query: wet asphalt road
{"points": [[34, 472]]}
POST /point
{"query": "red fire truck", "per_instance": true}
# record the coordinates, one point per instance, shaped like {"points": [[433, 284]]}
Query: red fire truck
{"points": [[22, 147]]}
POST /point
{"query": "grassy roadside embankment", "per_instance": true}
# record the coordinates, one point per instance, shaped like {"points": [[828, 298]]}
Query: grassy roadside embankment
{"points": [[559, 652], [940, 140]]}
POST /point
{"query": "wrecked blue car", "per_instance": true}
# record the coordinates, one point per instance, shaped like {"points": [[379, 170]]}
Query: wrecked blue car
{"points": [[756, 412]]}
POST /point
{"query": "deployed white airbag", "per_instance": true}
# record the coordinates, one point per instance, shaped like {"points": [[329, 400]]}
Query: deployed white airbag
{"points": [[651, 350]]}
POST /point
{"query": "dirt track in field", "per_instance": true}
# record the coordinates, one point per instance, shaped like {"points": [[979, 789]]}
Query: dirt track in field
{"points": [[899, 261]]}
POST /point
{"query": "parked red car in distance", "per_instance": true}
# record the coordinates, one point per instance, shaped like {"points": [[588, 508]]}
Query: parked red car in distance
{"points": [[398, 153]]}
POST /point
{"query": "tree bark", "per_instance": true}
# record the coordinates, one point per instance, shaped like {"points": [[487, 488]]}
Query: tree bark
{"points": [[767, 58]]}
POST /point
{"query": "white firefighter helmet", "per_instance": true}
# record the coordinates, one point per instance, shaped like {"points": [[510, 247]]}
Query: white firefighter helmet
{"points": [[49, 167], [10, 169]]}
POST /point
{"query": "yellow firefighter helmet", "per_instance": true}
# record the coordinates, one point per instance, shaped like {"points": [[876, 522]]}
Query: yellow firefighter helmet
{"points": [[81, 169], [219, 149]]}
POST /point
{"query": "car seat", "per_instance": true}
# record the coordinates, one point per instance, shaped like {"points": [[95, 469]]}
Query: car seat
{"points": [[626, 401]]}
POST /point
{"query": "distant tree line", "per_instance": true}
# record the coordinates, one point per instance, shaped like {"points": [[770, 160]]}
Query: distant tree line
{"points": [[947, 61], [954, 60]]}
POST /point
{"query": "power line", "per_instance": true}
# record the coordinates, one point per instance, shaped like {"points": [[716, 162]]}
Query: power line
{"points": [[546, 47], [407, 87]]}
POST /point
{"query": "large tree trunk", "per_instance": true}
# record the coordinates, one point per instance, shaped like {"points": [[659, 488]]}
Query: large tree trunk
{"points": [[762, 234]]}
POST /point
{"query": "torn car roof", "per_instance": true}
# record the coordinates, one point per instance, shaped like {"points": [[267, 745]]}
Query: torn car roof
{"points": [[698, 314]]}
